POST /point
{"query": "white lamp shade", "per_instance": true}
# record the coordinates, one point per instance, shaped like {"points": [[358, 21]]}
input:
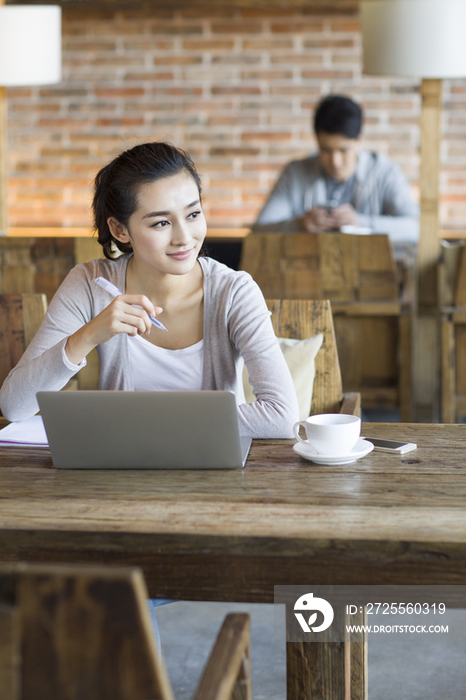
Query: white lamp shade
{"points": [[30, 45], [414, 38]]}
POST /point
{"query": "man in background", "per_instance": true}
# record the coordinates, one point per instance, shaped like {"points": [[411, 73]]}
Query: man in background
{"points": [[342, 186]]}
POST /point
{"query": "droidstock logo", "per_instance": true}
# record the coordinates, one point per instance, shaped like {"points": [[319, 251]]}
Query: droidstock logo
{"points": [[313, 605]]}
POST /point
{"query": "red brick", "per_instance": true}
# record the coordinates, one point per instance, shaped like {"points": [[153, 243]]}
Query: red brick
{"points": [[63, 92], [59, 136], [454, 197], [178, 91], [267, 136], [234, 151], [144, 45], [236, 27], [268, 11], [244, 59], [267, 75], [298, 59], [316, 43], [345, 25], [347, 60], [327, 74], [298, 90], [126, 121], [225, 213], [86, 46], [176, 60], [149, 76], [267, 44], [186, 29], [208, 45], [115, 62], [230, 182], [119, 91], [411, 121], [388, 104], [61, 123], [255, 200], [233, 120], [235, 90], [262, 167], [15, 92], [65, 152], [294, 27]]}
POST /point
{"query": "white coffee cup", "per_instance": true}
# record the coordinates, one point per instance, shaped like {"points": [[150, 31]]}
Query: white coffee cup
{"points": [[329, 433]]}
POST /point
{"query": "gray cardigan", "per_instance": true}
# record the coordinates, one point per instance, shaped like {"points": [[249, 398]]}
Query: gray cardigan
{"points": [[382, 197], [236, 324]]}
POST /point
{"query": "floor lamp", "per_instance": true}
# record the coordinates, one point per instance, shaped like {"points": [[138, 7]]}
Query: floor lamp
{"points": [[30, 54], [421, 39]]}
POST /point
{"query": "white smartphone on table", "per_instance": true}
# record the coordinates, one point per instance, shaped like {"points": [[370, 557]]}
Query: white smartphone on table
{"points": [[393, 446]]}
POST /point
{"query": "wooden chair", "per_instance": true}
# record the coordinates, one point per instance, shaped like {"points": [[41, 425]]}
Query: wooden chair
{"points": [[452, 279], [372, 318], [70, 632], [302, 318], [40, 264], [20, 317]]}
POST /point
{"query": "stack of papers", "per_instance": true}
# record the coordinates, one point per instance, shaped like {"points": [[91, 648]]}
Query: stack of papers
{"points": [[30, 432]]}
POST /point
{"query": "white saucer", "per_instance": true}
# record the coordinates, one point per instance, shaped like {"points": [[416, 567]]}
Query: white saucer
{"points": [[361, 449]]}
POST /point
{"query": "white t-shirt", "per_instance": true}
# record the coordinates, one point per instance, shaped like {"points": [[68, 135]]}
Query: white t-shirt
{"points": [[159, 369]]}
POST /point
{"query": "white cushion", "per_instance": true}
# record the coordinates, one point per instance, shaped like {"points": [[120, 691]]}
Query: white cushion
{"points": [[300, 356]]}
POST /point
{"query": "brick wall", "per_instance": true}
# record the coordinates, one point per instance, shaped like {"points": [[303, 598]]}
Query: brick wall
{"points": [[234, 89]]}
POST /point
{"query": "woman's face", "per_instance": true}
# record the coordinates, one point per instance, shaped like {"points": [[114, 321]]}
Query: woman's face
{"points": [[168, 228]]}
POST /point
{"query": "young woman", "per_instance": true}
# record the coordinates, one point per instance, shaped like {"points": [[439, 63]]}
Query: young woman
{"points": [[147, 204]]}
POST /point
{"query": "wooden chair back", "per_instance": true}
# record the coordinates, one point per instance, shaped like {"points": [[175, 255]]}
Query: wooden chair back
{"points": [[452, 285], [20, 317], [69, 632], [334, 266], [372, 319], [302, 318]]}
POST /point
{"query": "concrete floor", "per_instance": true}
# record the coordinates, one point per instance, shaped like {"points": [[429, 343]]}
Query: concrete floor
{"points": [[416, 667]]}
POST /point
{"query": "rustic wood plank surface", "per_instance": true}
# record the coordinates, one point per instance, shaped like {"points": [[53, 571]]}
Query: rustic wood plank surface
{"points": [[227, 535], [234, 535], [33, 492]]}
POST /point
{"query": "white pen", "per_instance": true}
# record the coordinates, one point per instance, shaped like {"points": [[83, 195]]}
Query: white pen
{"points": [[115, 292]]}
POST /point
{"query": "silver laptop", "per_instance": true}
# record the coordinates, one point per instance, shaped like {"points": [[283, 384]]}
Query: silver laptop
{"points": [[143, 429]]}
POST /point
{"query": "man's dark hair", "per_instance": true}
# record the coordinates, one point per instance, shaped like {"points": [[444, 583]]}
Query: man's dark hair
{"points": [[337, 114]]}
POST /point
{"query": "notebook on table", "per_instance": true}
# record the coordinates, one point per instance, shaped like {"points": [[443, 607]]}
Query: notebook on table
{"points": [[143, 429]]}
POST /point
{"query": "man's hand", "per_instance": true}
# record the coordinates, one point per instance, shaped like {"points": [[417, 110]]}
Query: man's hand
{"points": [[316, 220], [345, 215], [319, 219]]}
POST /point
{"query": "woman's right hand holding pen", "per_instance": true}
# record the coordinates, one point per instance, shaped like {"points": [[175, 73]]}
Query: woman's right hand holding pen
{"points": [[127, 313]]}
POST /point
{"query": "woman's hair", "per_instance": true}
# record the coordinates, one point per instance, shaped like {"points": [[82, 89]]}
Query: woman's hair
{"points": [[116, 186]]}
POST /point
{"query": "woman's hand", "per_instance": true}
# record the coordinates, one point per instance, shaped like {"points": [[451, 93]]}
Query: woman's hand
{"points": [[127, 313]]}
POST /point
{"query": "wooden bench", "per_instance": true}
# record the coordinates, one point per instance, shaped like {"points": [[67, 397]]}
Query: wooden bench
{"points": [[371, 309]]}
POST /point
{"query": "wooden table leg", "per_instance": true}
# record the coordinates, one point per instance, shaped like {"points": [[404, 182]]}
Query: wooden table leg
{"points": [[9, 652], [328, 670]]}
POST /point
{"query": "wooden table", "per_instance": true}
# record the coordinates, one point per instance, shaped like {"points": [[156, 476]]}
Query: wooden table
{"points": [[233, 535]]}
